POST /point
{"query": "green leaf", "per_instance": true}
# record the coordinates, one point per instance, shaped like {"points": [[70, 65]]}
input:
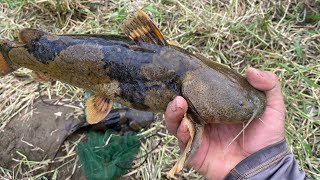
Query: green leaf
{"points": [[119, 15], [152, 10], [286, 67], [298, 49], [310, 82]]}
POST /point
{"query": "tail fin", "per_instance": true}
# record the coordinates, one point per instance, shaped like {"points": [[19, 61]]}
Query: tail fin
{"points": [[5, 67]]}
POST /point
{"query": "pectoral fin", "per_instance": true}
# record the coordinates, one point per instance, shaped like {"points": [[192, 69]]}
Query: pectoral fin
{"points": [[97, 108], [140, 28], [196, 133]]}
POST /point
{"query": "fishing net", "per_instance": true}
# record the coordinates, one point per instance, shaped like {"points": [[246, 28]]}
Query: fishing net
{"points": [[107, 156]]}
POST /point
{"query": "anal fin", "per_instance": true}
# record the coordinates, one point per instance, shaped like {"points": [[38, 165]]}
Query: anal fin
{"points": [[97, 108]]}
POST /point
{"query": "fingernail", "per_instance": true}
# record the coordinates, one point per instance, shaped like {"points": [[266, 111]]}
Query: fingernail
{"points": [[250, 70], [257, 72], [173, 105]]}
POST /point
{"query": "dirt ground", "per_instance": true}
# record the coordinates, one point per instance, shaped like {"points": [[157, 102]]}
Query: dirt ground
{"points": [[38, 140], [35, 135]]}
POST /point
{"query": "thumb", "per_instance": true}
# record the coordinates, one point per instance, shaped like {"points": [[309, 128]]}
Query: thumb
{"points": [[183, 134], [267, 82], [174, 114], [262, 80]]}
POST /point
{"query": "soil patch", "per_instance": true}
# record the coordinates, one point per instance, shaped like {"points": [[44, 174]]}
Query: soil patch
{"points": [[35, 135]]}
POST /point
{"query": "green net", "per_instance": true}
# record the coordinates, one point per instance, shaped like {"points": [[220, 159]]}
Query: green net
{"points": [[107, 156]]}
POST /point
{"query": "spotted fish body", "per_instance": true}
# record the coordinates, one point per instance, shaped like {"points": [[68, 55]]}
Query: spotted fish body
{"points": [[147, 77]]}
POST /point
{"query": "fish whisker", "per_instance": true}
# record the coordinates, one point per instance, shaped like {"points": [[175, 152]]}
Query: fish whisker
{"points": [[242, 130]]}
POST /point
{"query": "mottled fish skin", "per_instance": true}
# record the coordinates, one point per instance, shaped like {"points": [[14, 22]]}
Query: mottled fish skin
{"points": [[146, 77]]}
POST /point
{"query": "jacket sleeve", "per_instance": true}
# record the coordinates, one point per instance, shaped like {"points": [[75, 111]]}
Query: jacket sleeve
{"points": [[273, 162]]}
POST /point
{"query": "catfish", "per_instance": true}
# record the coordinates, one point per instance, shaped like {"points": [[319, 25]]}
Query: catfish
{"points": [[140, 70]]}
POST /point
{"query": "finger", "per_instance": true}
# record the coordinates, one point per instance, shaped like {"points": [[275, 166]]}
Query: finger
{"points": [[174, 114], [267, 82], [183, 134], [261, 80]]}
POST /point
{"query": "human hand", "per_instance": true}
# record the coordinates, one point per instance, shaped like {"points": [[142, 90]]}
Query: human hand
{"points": [[215, 157]]}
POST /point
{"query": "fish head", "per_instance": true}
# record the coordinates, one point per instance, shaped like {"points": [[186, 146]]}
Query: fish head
{"points": [[40, 45], [215, 98], [30, 47]]}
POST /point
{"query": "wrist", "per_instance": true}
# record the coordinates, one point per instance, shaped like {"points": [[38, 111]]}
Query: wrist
{"points": [[226, 164], [259, 161]]}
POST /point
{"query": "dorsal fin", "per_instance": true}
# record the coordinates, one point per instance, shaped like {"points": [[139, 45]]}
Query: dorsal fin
{"points": [[140, 28]]}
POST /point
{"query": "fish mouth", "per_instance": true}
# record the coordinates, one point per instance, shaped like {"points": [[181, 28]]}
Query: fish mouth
{"points": [[249, 115], [253, 115], [259, 104], [260, 107]]}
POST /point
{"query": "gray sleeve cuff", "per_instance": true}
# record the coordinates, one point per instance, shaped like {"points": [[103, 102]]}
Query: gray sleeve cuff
{"points": [[272, 162]]}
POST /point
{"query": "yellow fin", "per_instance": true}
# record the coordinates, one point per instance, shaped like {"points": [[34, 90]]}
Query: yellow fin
{"points": [[140, 28], [181, 161], [97, 108]]}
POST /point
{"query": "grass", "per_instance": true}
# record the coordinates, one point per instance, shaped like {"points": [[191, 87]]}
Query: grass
{"points": [[278, 36]]}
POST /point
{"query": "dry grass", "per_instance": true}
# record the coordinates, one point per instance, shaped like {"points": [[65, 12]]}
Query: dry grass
{"points": [[278, 36]]}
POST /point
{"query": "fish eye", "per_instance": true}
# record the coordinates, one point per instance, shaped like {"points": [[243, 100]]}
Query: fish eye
{"points": [[241, 103]]}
